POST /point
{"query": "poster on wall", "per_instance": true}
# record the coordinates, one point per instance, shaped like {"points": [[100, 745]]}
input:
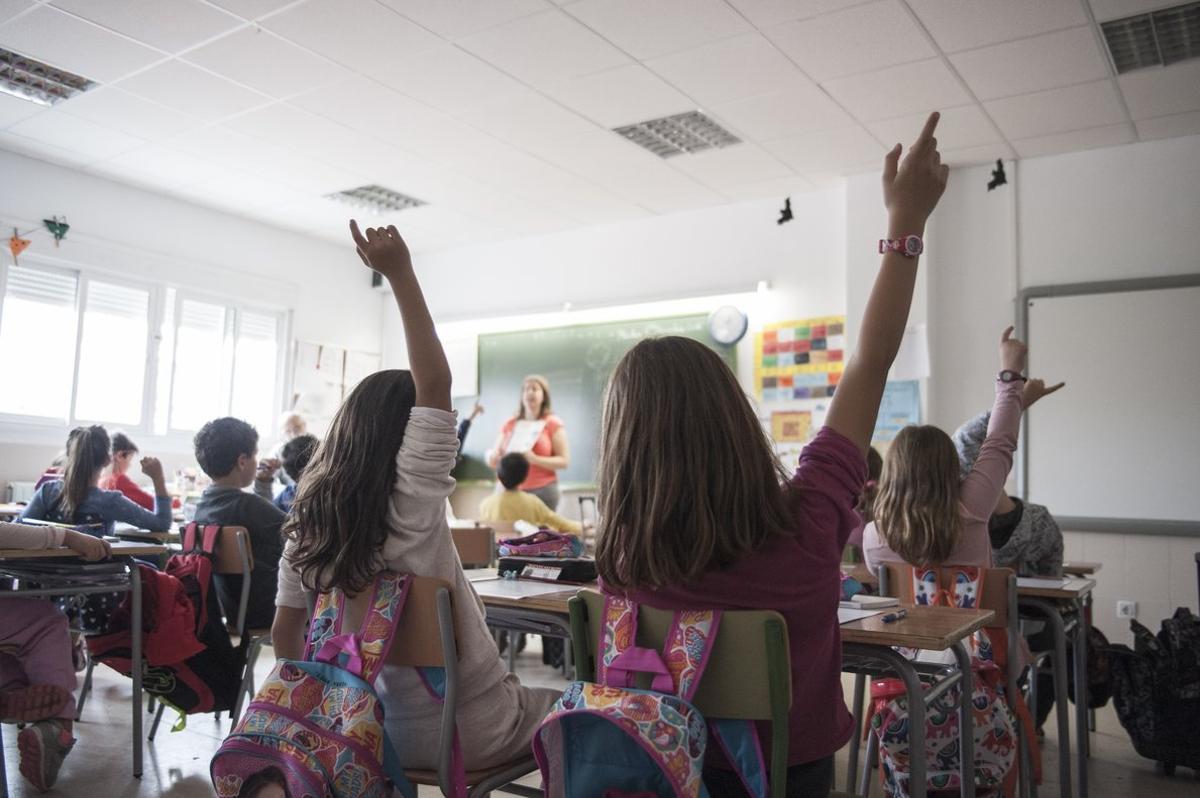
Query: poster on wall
{"points": [[322, 377], [901, 406], [801, 359]]}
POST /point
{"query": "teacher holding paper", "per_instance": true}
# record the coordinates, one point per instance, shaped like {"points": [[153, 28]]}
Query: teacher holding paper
{"points": [[540, 436]]}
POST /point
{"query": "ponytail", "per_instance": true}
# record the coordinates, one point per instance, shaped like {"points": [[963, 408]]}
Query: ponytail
{"points": [[87, 453]]}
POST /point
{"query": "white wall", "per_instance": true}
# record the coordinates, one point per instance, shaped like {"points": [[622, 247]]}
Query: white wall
{"points": [[127, 231]]}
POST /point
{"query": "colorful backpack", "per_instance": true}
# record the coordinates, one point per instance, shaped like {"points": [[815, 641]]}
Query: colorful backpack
{"points": [[992, 722], [608, 739], [317, 723]]}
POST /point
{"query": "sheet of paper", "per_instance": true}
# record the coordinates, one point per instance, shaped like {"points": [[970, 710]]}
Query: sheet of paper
{"points": [[1053, 583], [848, 615], [481, 574], [515, 588], [524, 436]]}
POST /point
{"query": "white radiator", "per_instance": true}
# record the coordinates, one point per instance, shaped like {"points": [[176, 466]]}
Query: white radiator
{"points": [[19, 492]]}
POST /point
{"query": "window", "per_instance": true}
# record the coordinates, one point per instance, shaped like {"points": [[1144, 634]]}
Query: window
{"points": [[37, 331], [140, 357]]}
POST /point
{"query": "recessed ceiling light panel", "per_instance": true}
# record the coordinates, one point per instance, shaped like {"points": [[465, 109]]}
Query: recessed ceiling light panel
{"points": [[377, 199], [1160, 38], [669, 136], [37, 82]]}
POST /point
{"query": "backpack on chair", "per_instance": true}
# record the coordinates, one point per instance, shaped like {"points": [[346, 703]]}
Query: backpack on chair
{"points": [[609, 739]]}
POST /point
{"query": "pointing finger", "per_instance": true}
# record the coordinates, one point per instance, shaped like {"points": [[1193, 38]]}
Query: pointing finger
{"points": [[359, 241], [926, 136], [1008, 331]]}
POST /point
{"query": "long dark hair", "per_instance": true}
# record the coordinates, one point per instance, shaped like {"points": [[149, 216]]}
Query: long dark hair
{"points": [[688, 481], [338, 519], [87, 453]]}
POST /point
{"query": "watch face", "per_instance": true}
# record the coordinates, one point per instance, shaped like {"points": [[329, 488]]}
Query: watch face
{"points": [[912, 246]]}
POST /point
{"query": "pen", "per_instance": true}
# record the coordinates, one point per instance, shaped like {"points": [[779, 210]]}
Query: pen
{"points": [[892, 617]]}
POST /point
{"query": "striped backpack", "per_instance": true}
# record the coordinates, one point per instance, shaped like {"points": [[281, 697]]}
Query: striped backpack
{"points": [[316, 726], [609, 739]]}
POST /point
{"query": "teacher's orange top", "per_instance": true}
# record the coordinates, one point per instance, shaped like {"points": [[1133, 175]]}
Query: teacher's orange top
{"points": [[539, 477]]}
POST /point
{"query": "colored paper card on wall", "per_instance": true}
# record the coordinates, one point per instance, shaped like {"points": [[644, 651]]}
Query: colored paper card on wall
{"points": [[792, 426], [900, 406]]}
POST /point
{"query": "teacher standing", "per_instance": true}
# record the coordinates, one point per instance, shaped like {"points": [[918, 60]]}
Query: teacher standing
{"points": [[549, 453]]}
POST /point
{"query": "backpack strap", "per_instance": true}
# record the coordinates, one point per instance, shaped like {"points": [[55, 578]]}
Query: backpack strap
{"points": [[618, 636], [948, 585], [687, 648], [364, 652], [326, 622]]}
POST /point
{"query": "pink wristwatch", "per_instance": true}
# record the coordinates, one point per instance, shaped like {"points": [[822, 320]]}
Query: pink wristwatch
{"points": [[909, 246]]}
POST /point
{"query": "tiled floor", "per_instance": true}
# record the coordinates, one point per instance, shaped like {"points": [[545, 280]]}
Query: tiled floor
{"points": [[177, 763]]}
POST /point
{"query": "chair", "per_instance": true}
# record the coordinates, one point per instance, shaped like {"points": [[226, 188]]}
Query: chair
{"points": [[425, 638], [748, 677], [476, 545], [1000, 596]]}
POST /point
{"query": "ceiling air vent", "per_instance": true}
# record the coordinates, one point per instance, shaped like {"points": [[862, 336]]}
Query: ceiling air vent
{"points": [[376, 199], [1159, 38], [32, 80], [678, 134]]}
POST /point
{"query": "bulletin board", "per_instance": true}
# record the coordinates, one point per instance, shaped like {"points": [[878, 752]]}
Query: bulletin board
{"points": [[322, 377], [800, 359]]}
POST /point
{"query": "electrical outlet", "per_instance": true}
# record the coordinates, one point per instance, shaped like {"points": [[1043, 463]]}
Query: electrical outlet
{"points": [[1126, 608]]}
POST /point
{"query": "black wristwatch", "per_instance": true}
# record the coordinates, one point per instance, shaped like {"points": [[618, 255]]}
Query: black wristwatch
{"points": [[1008, 375]]}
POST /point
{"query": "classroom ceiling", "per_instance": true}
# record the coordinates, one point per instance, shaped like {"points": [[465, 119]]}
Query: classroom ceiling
{"points": [[498, 113]]}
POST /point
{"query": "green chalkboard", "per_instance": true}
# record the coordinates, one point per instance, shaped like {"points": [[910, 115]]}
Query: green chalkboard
{"points": [[578, 362]]}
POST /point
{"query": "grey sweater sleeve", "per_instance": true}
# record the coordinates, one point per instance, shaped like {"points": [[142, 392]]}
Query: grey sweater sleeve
{"points": [[968, 439]]}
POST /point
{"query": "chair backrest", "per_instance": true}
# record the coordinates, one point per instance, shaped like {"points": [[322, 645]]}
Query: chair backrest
{"points": [[748, 672], [233, 553], [418, 640], [895, 579], [476, 545]]}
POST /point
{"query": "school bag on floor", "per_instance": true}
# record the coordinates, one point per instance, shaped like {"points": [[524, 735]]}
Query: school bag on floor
{"points": [[993, 725], [318, 721], [190, 663], [608, 739]]}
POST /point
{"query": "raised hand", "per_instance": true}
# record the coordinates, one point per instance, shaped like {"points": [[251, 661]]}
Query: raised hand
{"points": [[152, 468], [88, 547], [383, 250], [912, 187], [477, 410], [267, 468], [1012, 352], [1036, 388]]}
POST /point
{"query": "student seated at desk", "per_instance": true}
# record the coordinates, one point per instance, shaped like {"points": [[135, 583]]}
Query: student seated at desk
{"points": [[696, 513], [37, 675], [78, 499], [514, 504], [227, 450], [117, 478], [293, 459], [373, 498]]}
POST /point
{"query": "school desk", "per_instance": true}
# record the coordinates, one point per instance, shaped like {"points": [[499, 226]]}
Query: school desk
{"points": [[10, 510], [1081, 567], [1046, 597], [127, 579], [539, 608]]}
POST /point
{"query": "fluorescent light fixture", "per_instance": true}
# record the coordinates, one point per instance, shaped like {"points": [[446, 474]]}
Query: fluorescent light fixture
{"points": [[669, 136], [376, 199], [29, 79], [1160, 38]]}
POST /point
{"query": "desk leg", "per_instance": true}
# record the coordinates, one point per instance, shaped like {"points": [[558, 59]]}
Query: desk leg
{"points": [[1055, 619], [1087, 613], [860, 687], [135, 586], [966, 721], [915, 695], [1081, 711]]}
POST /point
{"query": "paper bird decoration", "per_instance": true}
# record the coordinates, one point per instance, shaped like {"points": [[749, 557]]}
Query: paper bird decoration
{"points": [[57, 229], [785, 213], [17, 245], [998, 176]]}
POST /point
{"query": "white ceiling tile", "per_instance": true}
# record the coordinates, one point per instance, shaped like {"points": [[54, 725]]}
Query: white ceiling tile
{"points": [[71, 133], [963, 24], [1091, 138], [1117, 9], [731, 69], [526, 119], [859, 39], [251, 9], [458, 18], [14, 109], [265, 62], [899, 91], [828, 150], [233, 190], [965, 126], [973, 156], [193, 91], [366, 106], [34, 148], [1061, 58], [646, 30], [68, 43], [158, 165], [1162, 91], [544, 49], [291, 128], [1165, 127], [802, 109], [169, 25], [731, 166], [772, 12], [1057, 110], [621, 96], [360, 34], [448, 79], [780, 187], [127, 112], [10, 8]]}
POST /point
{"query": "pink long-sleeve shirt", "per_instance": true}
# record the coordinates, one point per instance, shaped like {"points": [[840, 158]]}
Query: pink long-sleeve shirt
{"points": [[27, 536], [978, 493]]}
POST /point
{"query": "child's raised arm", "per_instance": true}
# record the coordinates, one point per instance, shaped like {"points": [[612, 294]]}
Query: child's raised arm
{"points": [[385, 252], [911, 191]]}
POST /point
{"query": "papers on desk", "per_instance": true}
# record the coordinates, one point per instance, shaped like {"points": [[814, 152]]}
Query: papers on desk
{"points": [[1052, 583], [846, 615], [514, 588]]}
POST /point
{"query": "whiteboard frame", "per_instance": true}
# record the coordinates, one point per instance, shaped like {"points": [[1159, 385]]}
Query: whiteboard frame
{"points": [[1084, 523]]}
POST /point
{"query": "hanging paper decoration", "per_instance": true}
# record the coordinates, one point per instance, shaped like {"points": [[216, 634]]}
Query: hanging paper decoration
{"points": [[17, 245], [57, 229]]}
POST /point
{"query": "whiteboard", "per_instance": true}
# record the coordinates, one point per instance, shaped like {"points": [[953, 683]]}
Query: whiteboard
{"points": [[1122, 440]]}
